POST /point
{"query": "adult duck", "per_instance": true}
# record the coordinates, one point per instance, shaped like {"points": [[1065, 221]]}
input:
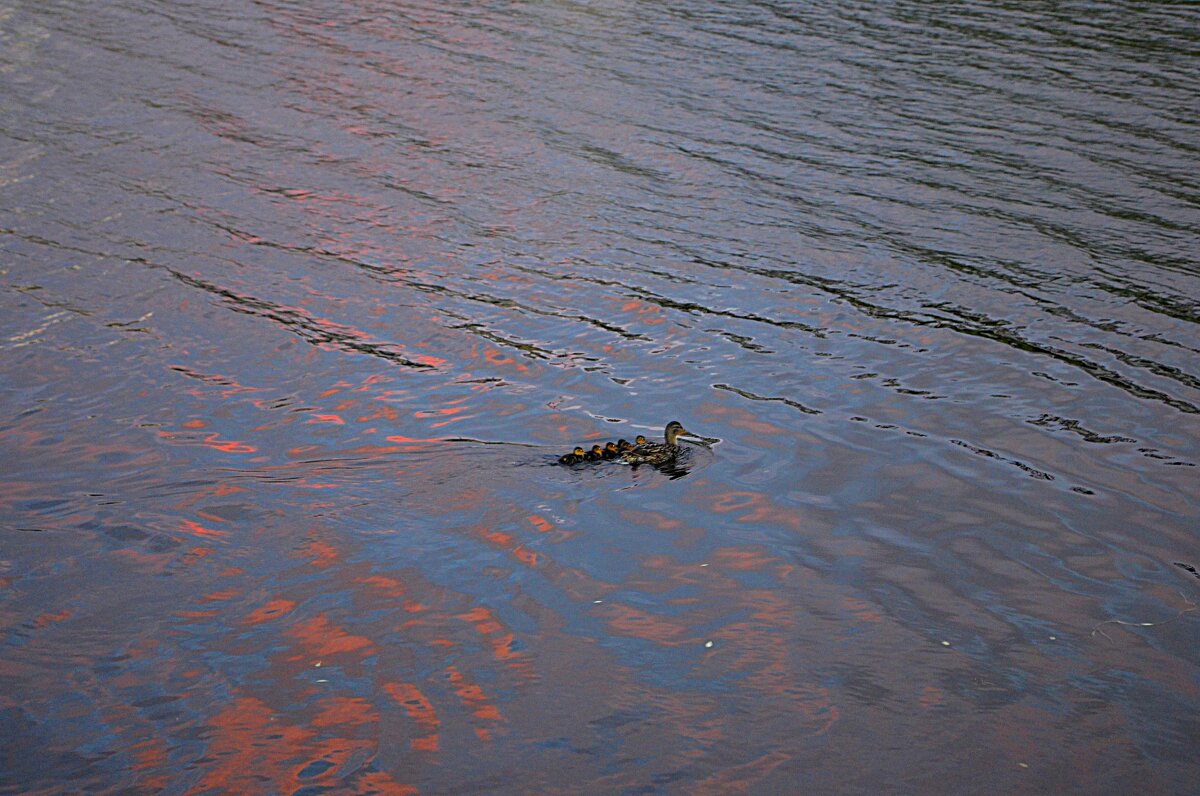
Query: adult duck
{"points": [[657, 452]]}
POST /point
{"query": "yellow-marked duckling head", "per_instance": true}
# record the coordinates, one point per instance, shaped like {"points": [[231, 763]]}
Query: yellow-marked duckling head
{"points": [[574, 457]]}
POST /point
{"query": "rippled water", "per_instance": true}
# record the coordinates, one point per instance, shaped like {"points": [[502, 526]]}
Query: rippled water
{"points": [[299, 301]]}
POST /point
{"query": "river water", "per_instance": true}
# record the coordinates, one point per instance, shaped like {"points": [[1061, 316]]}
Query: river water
{"points": [[300, 300]]}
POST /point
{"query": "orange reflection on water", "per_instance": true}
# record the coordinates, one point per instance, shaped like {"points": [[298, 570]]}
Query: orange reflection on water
{"points": [[498, 638], [215, 491], [373, 782], [390, 586], [252, 750], [198, 614], [442, 423], [212, 440], [420, 710], [272, 610], [474, 700], [150, 760], [508, 543], [445, 410], [931, 696], [326, 418], [496, 357], [497, 537], [156, 563], [323, 555], [14, 492], [148, 753], [196, 529], [379, 412], [322, 638], [649, 314], [49, 618], [626, 620], [400, 438], [343, 710], [525, 556], [218, 596], [228, 446], [482, 618], [427, 359], [740, 779], [861, 609], [746, 559], [754, 507], [756, 627], [765, 434]]}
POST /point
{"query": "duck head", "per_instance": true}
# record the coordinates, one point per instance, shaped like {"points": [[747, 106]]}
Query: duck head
{"points": [[675, 430]]}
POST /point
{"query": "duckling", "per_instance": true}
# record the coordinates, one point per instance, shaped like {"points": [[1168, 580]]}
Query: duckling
{"points": [[610, 451], [657, 452], [595, 454], [640, 439], [624, 445], [574, 457]]}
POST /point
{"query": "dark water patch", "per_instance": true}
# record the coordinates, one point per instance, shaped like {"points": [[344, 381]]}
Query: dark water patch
{"points": [[125, 533], [1073, 426], [298, 321], [751, 396], [1188, 568]]}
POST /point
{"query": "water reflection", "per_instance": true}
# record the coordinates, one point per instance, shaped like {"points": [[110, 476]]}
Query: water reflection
{"points": [[299, 304]]}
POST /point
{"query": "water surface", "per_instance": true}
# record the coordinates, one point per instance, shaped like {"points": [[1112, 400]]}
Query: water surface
{"points": [[299, 301]]}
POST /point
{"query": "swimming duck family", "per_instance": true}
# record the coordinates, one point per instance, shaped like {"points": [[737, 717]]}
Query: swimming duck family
{"points": [[640, 451]]}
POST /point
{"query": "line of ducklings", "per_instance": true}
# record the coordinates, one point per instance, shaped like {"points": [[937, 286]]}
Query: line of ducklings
{"points": [[640, 451], [610, 450]]}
